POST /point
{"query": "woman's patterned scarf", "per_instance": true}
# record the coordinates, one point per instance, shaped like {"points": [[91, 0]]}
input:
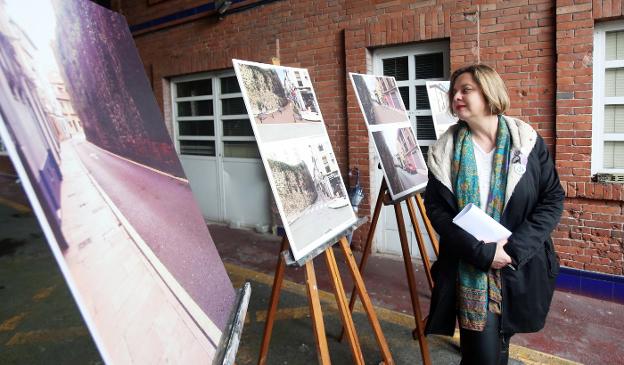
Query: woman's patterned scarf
{"points": [[479, 291]]}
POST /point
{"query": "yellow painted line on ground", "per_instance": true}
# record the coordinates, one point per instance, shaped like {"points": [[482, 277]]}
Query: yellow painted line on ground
{"points": [[43, 293], [240, 274], [11, 323], [40, 336], [15, 205]]}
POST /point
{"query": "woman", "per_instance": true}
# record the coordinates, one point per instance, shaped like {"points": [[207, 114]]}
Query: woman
{"points": [[494, 289]]}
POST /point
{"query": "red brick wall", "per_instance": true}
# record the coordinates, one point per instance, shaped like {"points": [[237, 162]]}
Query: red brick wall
{"points": [[542, 48], [515, 38], [590, 234], [309, 36]]}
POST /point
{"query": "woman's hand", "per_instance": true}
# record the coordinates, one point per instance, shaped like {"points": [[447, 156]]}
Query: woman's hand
{"points": [[501, 258]]}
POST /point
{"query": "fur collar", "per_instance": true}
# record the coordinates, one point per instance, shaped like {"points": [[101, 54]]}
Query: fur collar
{"points": [[523, 139]]}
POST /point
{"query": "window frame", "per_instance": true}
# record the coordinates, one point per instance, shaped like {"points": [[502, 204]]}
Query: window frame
{"points": [[599, 100], [217, 116]]}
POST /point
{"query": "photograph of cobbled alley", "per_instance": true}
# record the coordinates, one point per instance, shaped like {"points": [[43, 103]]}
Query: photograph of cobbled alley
{"points": [[310, 189], [279, 94], [401, 159], [99, 160]]}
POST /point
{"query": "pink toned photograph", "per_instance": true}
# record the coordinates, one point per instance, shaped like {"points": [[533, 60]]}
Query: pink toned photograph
{"points": [[90, 145], [379, 99], [437, 91], [401, 159]]}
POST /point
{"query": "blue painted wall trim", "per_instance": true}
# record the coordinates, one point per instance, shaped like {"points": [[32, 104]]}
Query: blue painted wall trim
{"points": [[210, 7], [592, 284], [175, 16]]}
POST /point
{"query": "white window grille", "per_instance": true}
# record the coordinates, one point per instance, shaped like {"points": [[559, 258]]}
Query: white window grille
{"points": [[210, 118], [608, 99]]}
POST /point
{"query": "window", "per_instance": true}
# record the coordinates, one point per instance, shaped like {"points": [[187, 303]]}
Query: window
{"points": [[210, 117], [608, 103], [412, 66]]}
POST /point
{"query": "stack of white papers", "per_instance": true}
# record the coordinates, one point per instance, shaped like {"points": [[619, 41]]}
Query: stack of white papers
{"points": [[480, 225]]}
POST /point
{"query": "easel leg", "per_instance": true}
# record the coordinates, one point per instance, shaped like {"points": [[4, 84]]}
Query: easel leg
{"points": [[317, 315], [341, 300], [411, 280], [275, 294], [366, 302], [428, 226], [369, 242], [420, 240]]}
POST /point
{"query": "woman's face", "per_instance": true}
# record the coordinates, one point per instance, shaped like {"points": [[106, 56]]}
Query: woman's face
{"points": [[469, 103]]}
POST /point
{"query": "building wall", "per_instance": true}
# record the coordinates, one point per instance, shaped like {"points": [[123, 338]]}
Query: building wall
{"points": [[542, 49], [590, 235]]}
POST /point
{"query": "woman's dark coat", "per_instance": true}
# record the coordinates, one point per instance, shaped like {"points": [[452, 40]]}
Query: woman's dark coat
{"points": [[533, 206]]}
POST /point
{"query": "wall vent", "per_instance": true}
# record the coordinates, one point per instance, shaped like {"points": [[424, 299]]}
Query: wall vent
{"points": [[609, 178]]}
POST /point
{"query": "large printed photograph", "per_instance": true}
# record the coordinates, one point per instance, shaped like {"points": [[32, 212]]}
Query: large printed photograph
{"points": [[379, 99], [83, 129], [279, 94], [280, 101], [437, 91], [309, 188], [387, 121], [297, 154], [401, 159]]}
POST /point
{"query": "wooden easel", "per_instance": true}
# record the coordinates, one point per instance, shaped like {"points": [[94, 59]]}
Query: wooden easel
{"points": [[315, 305], [384, 199], [314, 301]]}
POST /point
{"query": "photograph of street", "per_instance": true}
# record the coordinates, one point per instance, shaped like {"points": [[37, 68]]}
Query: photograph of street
{"points": [[309, 191], [95, 157], [439, 103], [401, 159], [276, 94], [379, 99]]}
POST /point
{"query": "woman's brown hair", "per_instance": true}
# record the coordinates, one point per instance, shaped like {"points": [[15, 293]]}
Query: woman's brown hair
{"points": [[491, 84]]}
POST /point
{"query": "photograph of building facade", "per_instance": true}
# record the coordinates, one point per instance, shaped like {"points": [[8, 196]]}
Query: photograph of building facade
{"points": [[101, 172], [379, 98], [401, 159], [309, 190], [437, 91]]}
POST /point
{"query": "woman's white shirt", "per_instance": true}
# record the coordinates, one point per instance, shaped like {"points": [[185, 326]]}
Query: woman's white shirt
{"points": [[484, 170]]}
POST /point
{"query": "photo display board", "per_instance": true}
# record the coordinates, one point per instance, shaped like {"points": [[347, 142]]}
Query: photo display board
{"points": [[437, 91], [84, 132], [297, 154], [393, 136]]}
